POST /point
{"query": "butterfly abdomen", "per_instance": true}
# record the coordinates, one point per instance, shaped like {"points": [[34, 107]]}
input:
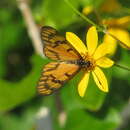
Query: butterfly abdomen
{"points": [[81, 63]]}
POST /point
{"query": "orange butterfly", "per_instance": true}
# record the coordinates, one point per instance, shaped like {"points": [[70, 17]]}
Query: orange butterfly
{"points": [[67, 61]]}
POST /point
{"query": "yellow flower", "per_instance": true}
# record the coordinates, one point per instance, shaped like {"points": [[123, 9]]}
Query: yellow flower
{"points": [[116, 29], [116, 26], [95, 55]]}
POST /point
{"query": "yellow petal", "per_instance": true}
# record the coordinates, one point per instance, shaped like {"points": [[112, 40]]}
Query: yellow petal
{"points": [[101, 51], [100, 79], [104, 62], [76, 43], [124, 21], [82, 86], [110, 42], [87, 10], [121, 22], [123, 36], [92, 40]]}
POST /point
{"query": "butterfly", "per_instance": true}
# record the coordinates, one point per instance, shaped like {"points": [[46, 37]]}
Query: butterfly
{"points": [[66, 63]]}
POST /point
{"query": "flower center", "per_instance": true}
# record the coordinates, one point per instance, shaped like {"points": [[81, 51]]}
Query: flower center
{"points": [[91, 62]]}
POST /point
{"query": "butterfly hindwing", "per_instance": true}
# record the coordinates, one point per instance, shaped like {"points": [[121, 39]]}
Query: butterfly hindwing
{"points": [[57, 47], [54, 75]]}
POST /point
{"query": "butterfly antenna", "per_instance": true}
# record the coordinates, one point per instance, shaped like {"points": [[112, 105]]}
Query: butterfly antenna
{"points": [[122, 67]]}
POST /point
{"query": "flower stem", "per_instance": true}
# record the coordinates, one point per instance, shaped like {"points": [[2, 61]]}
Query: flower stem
{"points": [[122, 67], [122, 43], [80, 14], [101, 28]]}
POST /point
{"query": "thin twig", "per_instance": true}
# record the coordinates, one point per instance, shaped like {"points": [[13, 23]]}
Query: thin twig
{"points": [[122, 43], [122, 67], [80, 14], [32, 28]]}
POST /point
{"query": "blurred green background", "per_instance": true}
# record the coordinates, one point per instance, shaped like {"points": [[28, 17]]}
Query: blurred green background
{"points": [[20, 68]]}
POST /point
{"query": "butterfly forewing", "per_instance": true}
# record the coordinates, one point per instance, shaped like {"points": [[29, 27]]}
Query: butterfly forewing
{"points": [[57, 47], [54, 75]]}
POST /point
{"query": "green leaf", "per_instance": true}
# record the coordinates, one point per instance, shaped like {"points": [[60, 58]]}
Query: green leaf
{"points": [[82, 120], [125, 3], [9, 36], [93, 100], [26, 116], [119, 72], [57, 14], [93, 3], [13, 94]]}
